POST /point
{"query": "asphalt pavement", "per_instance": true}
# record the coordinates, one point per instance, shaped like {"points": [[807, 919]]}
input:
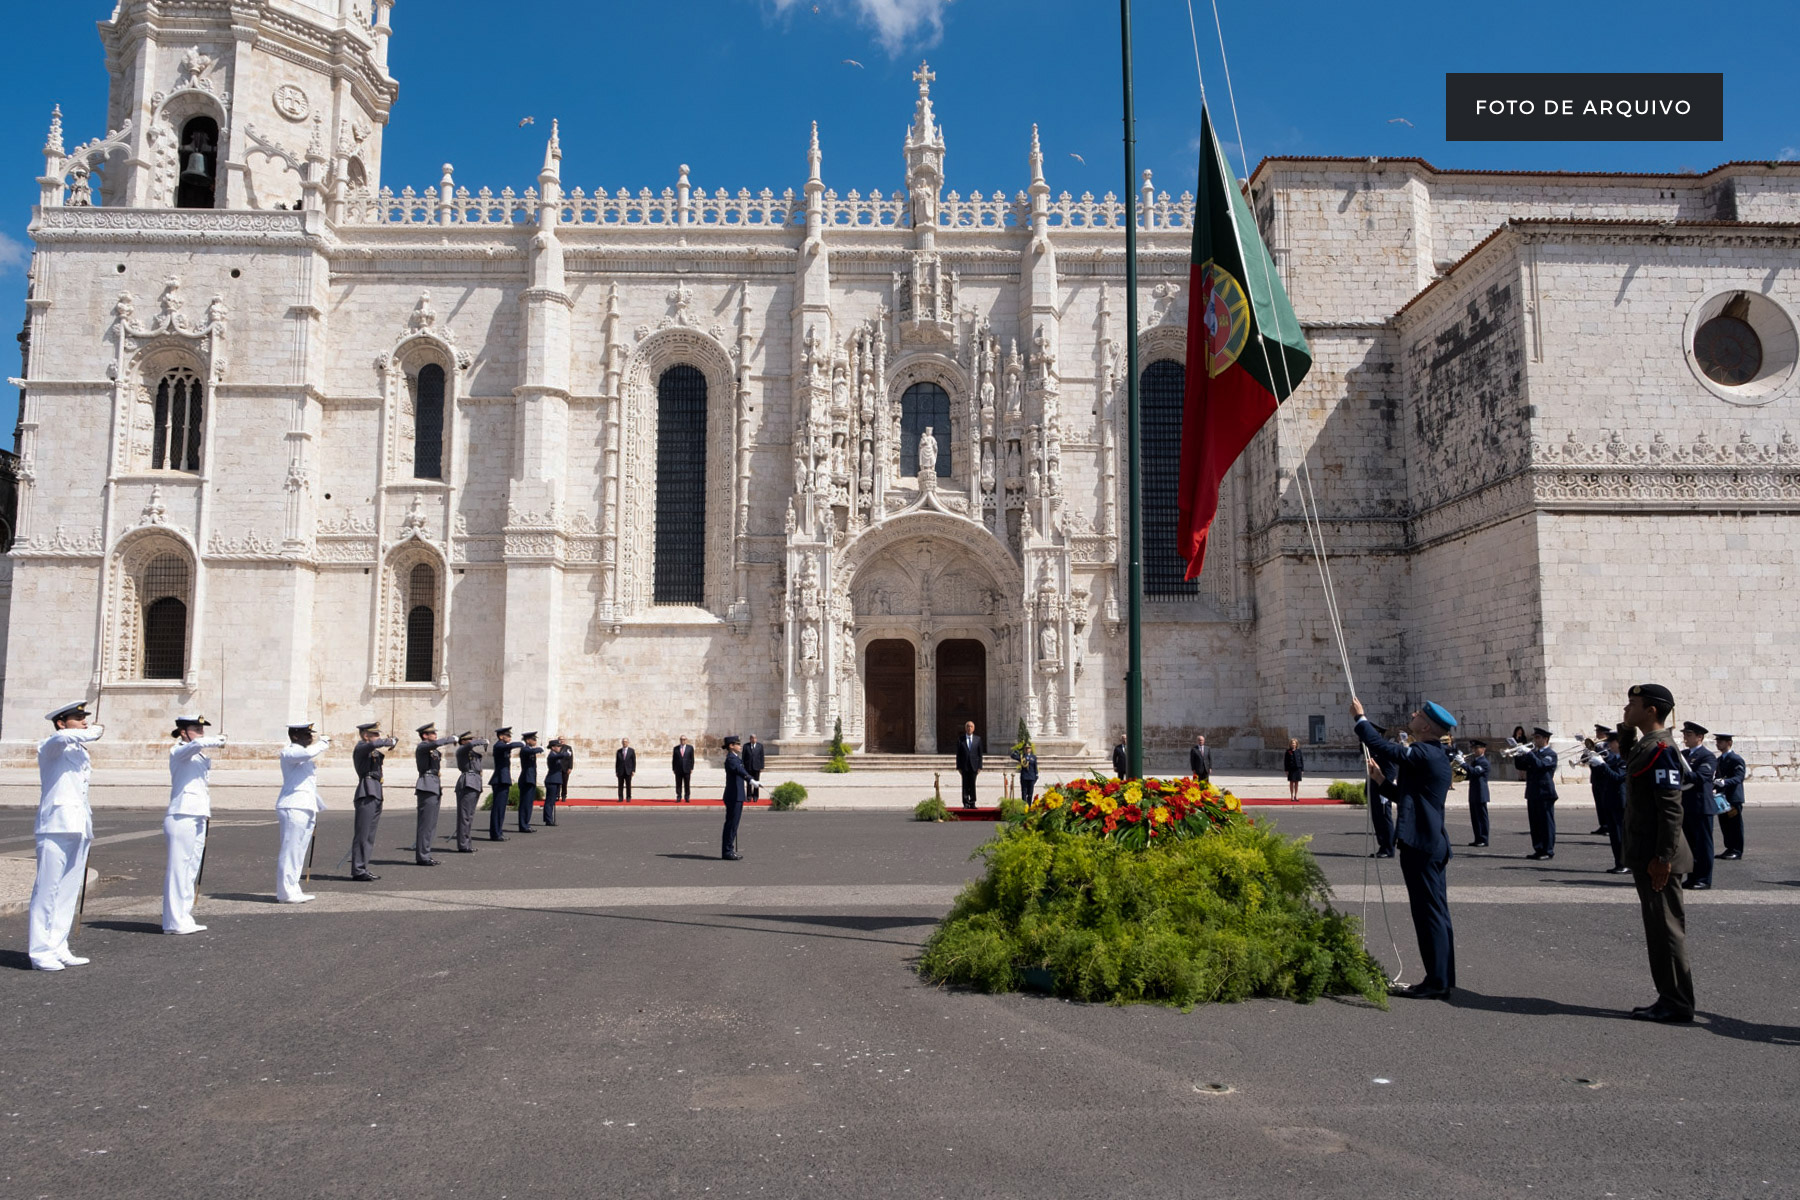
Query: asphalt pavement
{"points": [[607, 1009]]}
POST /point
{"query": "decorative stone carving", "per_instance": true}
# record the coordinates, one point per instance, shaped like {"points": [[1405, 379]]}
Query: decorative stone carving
{"points": [[290, 101]]}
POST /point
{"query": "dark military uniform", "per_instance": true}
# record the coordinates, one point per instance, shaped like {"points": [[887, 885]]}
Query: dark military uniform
{"points": [[501, 782], [1381, 795], [1476, 767], [737, 779], [428, 791], [1697, 811], [528, 781], [1728, 785], [1421, 783], [1539, 767], [557, 766], [1652, 831], [1608, 780], [366, 757], [468, 790], [1028, 773]]}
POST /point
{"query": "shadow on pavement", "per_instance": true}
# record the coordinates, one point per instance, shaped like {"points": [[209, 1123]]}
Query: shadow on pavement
{"points": [[696, 857], [1534, 1006], [126, 926], [866, 924]]}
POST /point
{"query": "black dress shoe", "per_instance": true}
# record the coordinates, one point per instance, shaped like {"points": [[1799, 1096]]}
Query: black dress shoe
{"points": [[1698, 886], [1600, 832], [1662, 1015], [425, 862], [1618, 870], [500, 838], [1644, 1009], [1382, 854], [465, 849], [1535, 855], [364, 877], [527, 829], [1419, 991], [731, 856], [1732, 855]]}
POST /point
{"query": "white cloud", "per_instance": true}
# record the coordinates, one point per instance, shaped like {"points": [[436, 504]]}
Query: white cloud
{"points": [[13, 254], [899, 24], [1789, 154]]}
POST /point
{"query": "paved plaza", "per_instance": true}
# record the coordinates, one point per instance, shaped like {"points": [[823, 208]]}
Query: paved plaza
{"points": [[606, 1009]]}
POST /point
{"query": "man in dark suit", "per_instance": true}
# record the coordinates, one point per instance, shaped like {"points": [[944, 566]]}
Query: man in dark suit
{"points": [[624, 767], [1654, 849], [1121, 758], [737, 778], [1728, 784], [968, 761], [559, 764], [528, 780], [1697, 805], [682, 763], [1423, 782], [1200, 759], [468, 786], [1476, 766], [428, 791], [501, 782], [753, 763], [1538, 761]]}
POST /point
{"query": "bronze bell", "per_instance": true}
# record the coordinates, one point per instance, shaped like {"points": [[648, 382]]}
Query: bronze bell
{"points": [[196, 171]]}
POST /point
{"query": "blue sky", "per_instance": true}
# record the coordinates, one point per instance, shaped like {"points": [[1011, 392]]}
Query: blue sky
{"points": [[730, 86]]}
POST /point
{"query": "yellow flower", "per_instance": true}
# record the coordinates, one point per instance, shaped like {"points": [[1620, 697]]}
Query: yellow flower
{"points": [[1105, 803], [1159, 815], [1054, 800], [1134, 793], [1232, 803], [1192, 796]]}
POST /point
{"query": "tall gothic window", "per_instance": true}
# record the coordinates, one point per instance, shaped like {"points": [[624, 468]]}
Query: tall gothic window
{"points": [[924, 406], [680, 487], [1161, 387], [421, 623], [180, 411], [428, 423], [199, 164], [164, 595]]}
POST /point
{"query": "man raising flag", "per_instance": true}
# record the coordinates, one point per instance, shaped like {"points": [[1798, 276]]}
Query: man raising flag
{"points": [[1246, 353]]}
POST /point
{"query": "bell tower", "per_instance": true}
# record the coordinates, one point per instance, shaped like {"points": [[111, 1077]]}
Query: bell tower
{"points": [[220, 103]]}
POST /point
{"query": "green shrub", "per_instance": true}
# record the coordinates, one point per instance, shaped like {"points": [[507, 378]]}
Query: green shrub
{"points": [[840, 753], [787, 796], [931, 808], [1012, 808], [512, 799], [1237, 913], [1346, 792]]}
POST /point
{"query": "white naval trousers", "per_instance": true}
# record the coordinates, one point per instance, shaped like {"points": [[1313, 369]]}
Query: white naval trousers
{"points": [[296, 836], [61, 866], [187, 841]]}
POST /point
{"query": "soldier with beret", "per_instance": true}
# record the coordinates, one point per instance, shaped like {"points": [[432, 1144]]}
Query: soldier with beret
{"points": [[1477, 767], [428, 756], [469, 754], [1697, 804], [1421, 783], [737, 782], [1539, 762], [190, 810], [528, 779], [297, 809], [559, 764], [501, 782], [1728, 785], [366, 758], [1654, 852], [64, 831]]}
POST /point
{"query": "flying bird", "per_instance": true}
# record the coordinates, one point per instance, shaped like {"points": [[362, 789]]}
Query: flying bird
{"points": [[853, 63], [527, 121], [1078, 158], [1400, 121]]}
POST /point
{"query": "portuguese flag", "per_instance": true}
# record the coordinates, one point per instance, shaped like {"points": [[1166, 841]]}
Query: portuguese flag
{"points": [[1246, 353]]}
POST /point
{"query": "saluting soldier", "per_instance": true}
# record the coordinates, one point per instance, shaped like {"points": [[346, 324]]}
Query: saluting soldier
{"points": [[1697, 805], [501, 781], [184, 825], [1476, 766], [1538, 761], [528, 780], [1728, 785], [624, 767], [682, 763], [1654, 849], [468, 786], [297, 809], [559, 764], [64, 831], [737, 782], [366, 757], [428, 756], [1598, 781], [1609, 775]]}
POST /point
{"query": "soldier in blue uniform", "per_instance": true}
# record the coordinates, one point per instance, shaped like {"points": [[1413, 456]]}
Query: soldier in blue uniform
{"points": [[1383, 777], [1728, 785], [1476, 766], [528, 779], [1538, 762], [1697, 805], [737, 781], [1653, 848], [1028, 770], [468, 786], [366, 757], [501, 782], [558, 766], [1607, 764], [1598, 783], [428, 790], [1422, 781]]}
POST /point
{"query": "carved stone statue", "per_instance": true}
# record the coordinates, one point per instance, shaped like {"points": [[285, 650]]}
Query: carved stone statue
{"points": [[1047, 643], [928, 453], [809, 644]]}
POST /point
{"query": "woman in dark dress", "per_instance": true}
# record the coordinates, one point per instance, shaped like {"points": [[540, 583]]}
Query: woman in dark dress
{"points": [[1295, 762]]}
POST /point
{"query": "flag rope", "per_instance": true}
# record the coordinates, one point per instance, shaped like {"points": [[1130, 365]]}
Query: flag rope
{"points": [[1309, 501]]}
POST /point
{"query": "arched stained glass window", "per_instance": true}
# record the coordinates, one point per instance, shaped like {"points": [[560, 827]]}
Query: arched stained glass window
{"points": [[680, 575]]}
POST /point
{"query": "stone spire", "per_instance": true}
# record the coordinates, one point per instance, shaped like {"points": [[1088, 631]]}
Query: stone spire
{"points": [[53, 145], [924, 161], [813, 158], [1036, 159], [552, 155]]}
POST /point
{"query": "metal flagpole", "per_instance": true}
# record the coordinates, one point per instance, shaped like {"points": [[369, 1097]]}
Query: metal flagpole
{"points": [[1134, 504]]}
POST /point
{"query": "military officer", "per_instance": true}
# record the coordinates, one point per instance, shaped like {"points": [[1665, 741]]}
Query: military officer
{"points": [[1538, 761], [297, 809], [1697, 805], [1608, 766], [968, 761], [184, 825], [366, 758], [528, 779], [64, 831], [624, 767], [1476, 766], [1384, 779], [1121, 758], [428, 790], [753, 757], [501, 782], [1654, 849], [1597, 782], [1421, 783], [468, 786], [1728, 785], [737, 781], [681, 762], [1200, 759], [559, 764]]}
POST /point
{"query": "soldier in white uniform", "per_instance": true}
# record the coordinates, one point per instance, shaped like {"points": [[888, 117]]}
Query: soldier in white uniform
{"points": [[297, 808], [65, 830], [190, 808]]}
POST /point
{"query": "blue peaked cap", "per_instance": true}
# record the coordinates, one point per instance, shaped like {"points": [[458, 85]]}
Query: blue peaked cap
{"points": [[1438, 713]]}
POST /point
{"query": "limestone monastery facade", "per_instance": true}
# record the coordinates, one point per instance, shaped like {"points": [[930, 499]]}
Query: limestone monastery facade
{"points": [[645, 463]]}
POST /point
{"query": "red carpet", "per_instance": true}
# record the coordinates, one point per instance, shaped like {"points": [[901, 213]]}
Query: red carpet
{"points": [[657, 802]]}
